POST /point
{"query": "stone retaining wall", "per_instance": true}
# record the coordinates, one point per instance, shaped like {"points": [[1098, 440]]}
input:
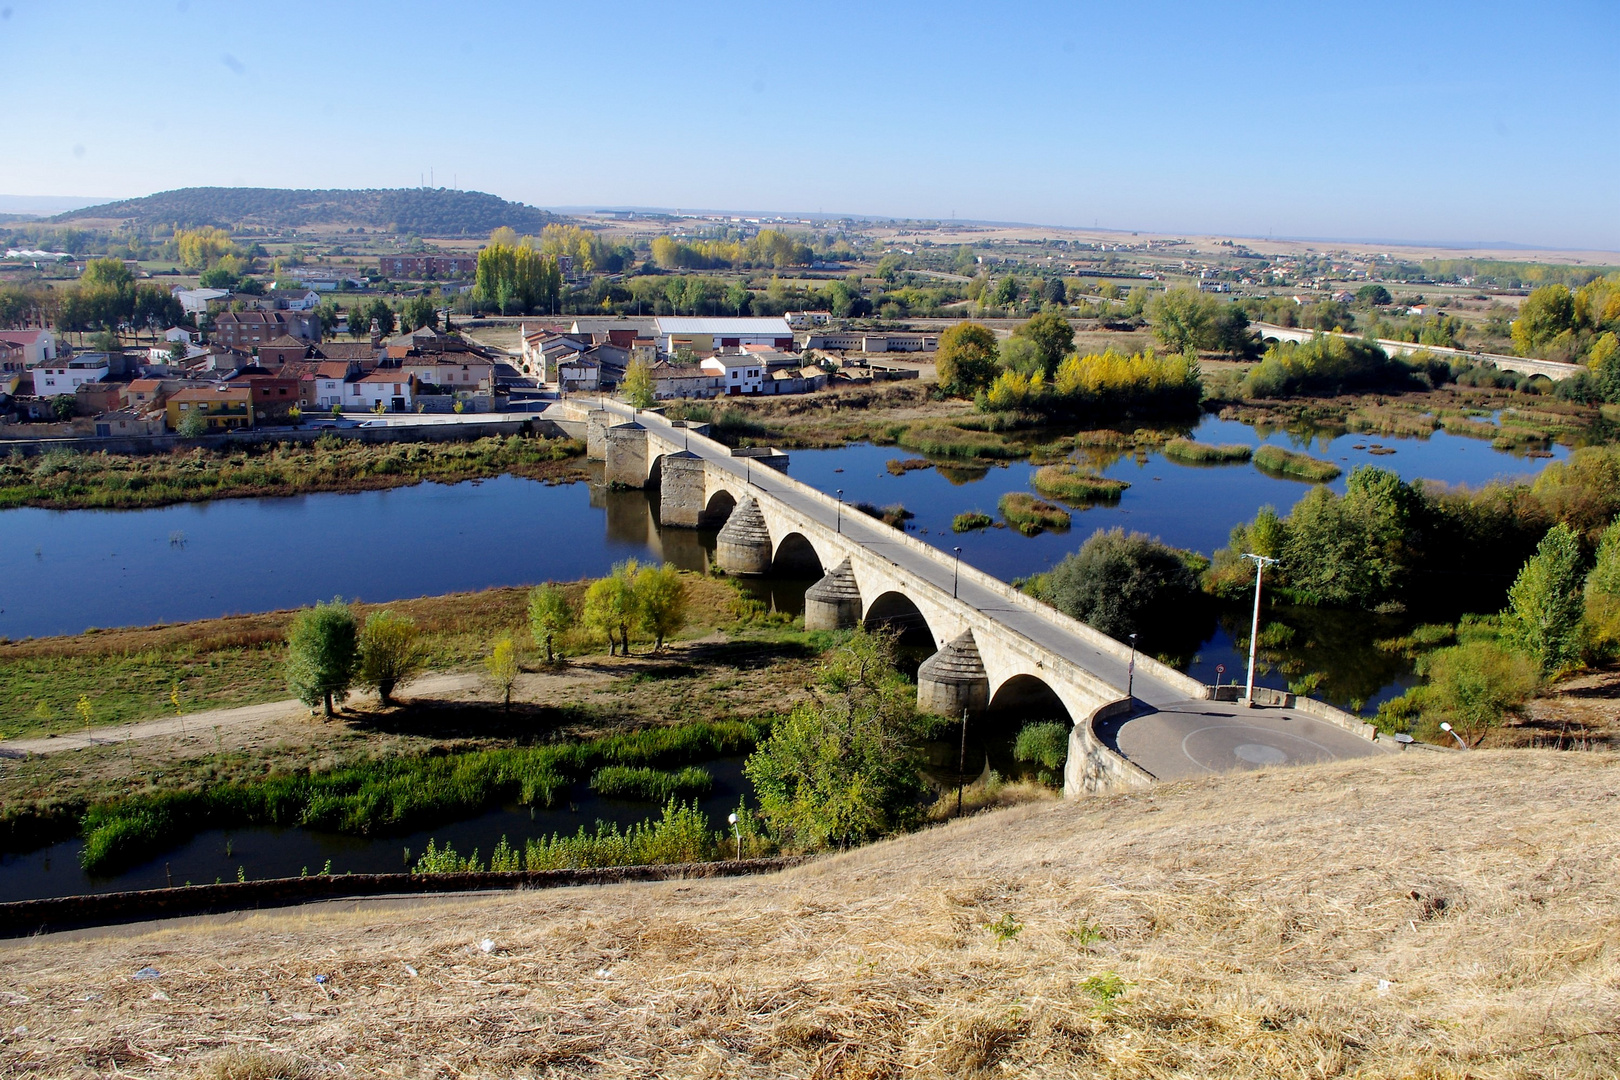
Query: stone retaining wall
{"points": [[1092, 767], [24, 917]]}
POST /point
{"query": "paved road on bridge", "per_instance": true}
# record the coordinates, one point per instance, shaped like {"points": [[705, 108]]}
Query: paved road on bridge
{"points": [[1164, 737]]}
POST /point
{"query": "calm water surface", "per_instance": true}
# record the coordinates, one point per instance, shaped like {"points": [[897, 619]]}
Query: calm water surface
{"points": [[64, 571]]}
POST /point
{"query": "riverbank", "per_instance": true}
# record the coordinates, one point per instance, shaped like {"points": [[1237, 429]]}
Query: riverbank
{"points": [[729, 665], [142, 673], [1385, 951], [66, 480]]}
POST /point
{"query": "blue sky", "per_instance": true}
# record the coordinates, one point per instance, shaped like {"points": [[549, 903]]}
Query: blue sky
{"points": [[1417, 121]]}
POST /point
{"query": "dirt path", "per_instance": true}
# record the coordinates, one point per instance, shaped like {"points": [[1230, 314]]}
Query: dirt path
{"points": [[222, 721]]}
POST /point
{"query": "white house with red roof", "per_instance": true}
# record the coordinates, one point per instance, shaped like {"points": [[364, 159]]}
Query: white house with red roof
{"points": [[38, 346]]}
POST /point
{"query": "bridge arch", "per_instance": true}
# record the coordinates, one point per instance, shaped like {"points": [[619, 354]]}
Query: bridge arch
{"points": [[655, 472], [1027, 699], [717, 509], [796, 555], [895, 611]]}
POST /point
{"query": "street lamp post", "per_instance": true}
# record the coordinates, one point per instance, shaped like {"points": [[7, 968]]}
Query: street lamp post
{"points": [[840, 510], [735, 829], [1130, 672], [956, 571], [1260, 564], [1447, 728]]}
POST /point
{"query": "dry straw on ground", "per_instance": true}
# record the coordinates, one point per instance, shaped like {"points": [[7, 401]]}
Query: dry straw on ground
{"points": [[1420, 916]]}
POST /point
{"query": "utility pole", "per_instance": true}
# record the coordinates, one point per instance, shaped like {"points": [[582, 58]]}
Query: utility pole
{"points": [[1260, 564], [956, 573], [840, 510]]}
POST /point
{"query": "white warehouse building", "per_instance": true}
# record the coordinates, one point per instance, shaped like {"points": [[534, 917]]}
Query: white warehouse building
{"points": [[707, 335]]}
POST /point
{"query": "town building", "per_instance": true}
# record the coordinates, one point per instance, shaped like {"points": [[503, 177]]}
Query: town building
{"points": [[579, 373], [283, 350], [66, 376], [455, 371], [416, 267], [388, 387], [273, 395], [95, 398], [118, 422], [37, 346], [223, 407], [299, 299], [710, 335], [805, 320], [739, 373], [684, 381], [250, 329], [196, 302]]}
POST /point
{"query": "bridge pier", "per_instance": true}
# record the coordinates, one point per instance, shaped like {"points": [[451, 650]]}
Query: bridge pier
{"points": [[682, 490], [834, 602], [744, 544], [626, 456], [597, 421], [954, 680]]}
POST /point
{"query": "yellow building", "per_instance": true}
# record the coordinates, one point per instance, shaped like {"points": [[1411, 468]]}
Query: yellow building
{"points": [[224, 407]]}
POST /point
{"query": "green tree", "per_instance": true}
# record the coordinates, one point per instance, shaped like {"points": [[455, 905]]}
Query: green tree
{"points": [[1054, 291], [637, 387], [1602, 599], [846, 766], [662, 599], [1006, 292], [502, 666], [1373, 295], [1120, 583], [1052, 336], [1545, 314], [106, 274], [1023, 356], [192, 424], [328, 315], [417, 312], [322, 648], [966, 360], [1353, 551], [391, 653], [1473, 685], [1545, 603], [550, 617], [1184, 319], [611, 606]]}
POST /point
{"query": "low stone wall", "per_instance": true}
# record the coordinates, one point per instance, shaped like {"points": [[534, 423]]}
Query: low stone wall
{"points": [[1092, 767], [157, 444], [1281, 699], [24, 917]]}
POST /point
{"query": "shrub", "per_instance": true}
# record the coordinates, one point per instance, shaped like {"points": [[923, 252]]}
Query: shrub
{"points": [[1030, 515], [1045, 745], [845, 767], [1072, 485], [973, 519], [1475, 684], [950, 441], [1327, 364], [650, 785], [1119, 583], [1291, 463], [1194, 453]]}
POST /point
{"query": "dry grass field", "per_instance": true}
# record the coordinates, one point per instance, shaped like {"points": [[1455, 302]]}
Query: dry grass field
{"points": [[1430, 916]]}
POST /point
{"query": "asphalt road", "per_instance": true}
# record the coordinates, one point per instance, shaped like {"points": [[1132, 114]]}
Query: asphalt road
{"points": [[1196, 738]]}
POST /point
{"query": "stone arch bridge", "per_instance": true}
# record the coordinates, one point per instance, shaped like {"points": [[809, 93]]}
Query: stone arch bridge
{"points": [[993, 646]]}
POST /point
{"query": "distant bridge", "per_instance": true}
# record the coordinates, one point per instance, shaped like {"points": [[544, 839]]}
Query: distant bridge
{"points": [[1551, 369], [995, 648]]}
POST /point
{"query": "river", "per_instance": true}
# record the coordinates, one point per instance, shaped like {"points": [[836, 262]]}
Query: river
{"points": [[64, 571]]}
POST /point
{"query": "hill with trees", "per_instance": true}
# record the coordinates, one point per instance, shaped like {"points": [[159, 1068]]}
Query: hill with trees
{"points": [[422, 211]]}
